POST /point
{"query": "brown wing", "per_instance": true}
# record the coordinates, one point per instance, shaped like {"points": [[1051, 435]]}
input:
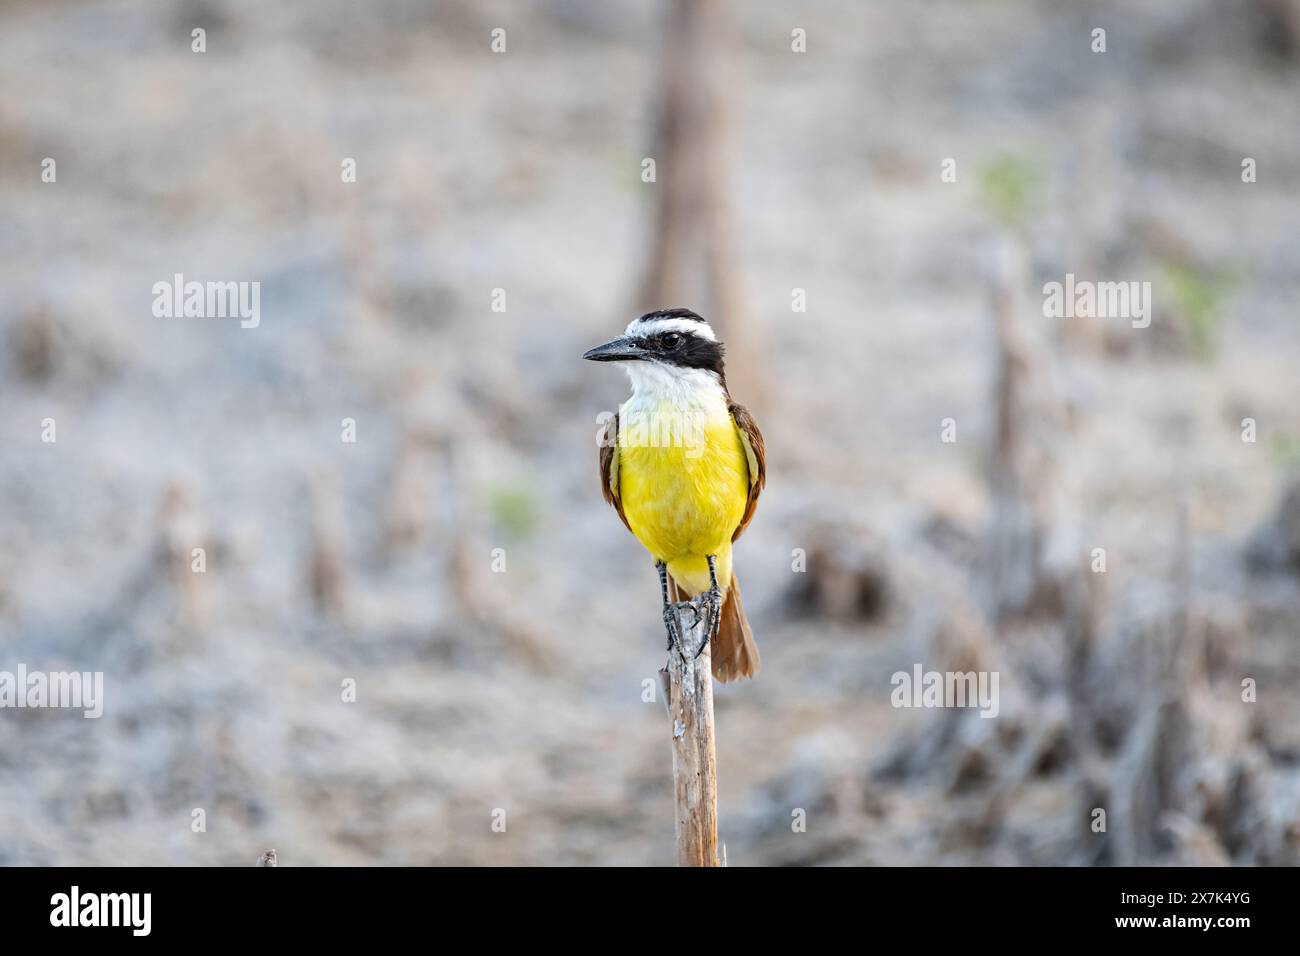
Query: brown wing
{"points": [[756, 453], [609, 486]]}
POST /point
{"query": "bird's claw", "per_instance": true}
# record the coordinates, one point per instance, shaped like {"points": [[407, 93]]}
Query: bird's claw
{"points": [[673, 624], [711, 609]]}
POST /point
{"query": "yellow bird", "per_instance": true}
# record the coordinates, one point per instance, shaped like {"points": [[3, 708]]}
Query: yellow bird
{"points": [[684, 465]]}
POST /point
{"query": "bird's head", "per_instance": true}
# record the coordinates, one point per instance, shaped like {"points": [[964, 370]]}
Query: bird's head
{"points": [[676, 343]]}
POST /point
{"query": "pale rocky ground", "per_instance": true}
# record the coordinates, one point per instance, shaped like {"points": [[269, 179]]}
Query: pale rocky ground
{"points": [[523, 690]]}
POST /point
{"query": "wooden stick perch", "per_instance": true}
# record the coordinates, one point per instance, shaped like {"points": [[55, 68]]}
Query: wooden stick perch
{"points": [[688, 689]]}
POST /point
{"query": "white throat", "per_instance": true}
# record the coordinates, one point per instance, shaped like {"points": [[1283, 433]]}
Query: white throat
{"points": [[655, 384]]}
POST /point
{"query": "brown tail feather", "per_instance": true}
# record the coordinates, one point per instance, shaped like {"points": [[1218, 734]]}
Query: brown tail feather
{"points": [[735, 654]]}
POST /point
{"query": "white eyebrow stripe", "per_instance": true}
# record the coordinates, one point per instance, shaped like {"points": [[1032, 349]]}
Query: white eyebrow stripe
{"points": [[656, 326]]}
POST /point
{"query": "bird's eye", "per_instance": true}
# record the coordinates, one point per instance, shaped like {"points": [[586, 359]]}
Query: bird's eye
{"points": [[672, 340]]}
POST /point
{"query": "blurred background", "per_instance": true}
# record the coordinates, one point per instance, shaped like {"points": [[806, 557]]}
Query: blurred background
{"points": [[457, 562]]}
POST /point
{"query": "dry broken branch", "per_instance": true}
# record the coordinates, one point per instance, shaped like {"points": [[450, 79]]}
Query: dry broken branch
{"points": [[688, 687]]}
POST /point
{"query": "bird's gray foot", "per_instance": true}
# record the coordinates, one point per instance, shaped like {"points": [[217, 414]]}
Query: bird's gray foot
{"points": [[672, 622], [673, 625], [710, 606]]}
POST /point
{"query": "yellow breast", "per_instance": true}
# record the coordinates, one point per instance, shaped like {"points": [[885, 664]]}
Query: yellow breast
{"points": [[684, 483]]}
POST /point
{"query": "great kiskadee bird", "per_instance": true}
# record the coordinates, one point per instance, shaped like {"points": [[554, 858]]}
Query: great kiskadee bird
{"points": [[683, 465]]}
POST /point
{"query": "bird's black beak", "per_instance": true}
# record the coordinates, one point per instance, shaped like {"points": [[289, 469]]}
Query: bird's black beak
{"points": [[620, 350]]}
